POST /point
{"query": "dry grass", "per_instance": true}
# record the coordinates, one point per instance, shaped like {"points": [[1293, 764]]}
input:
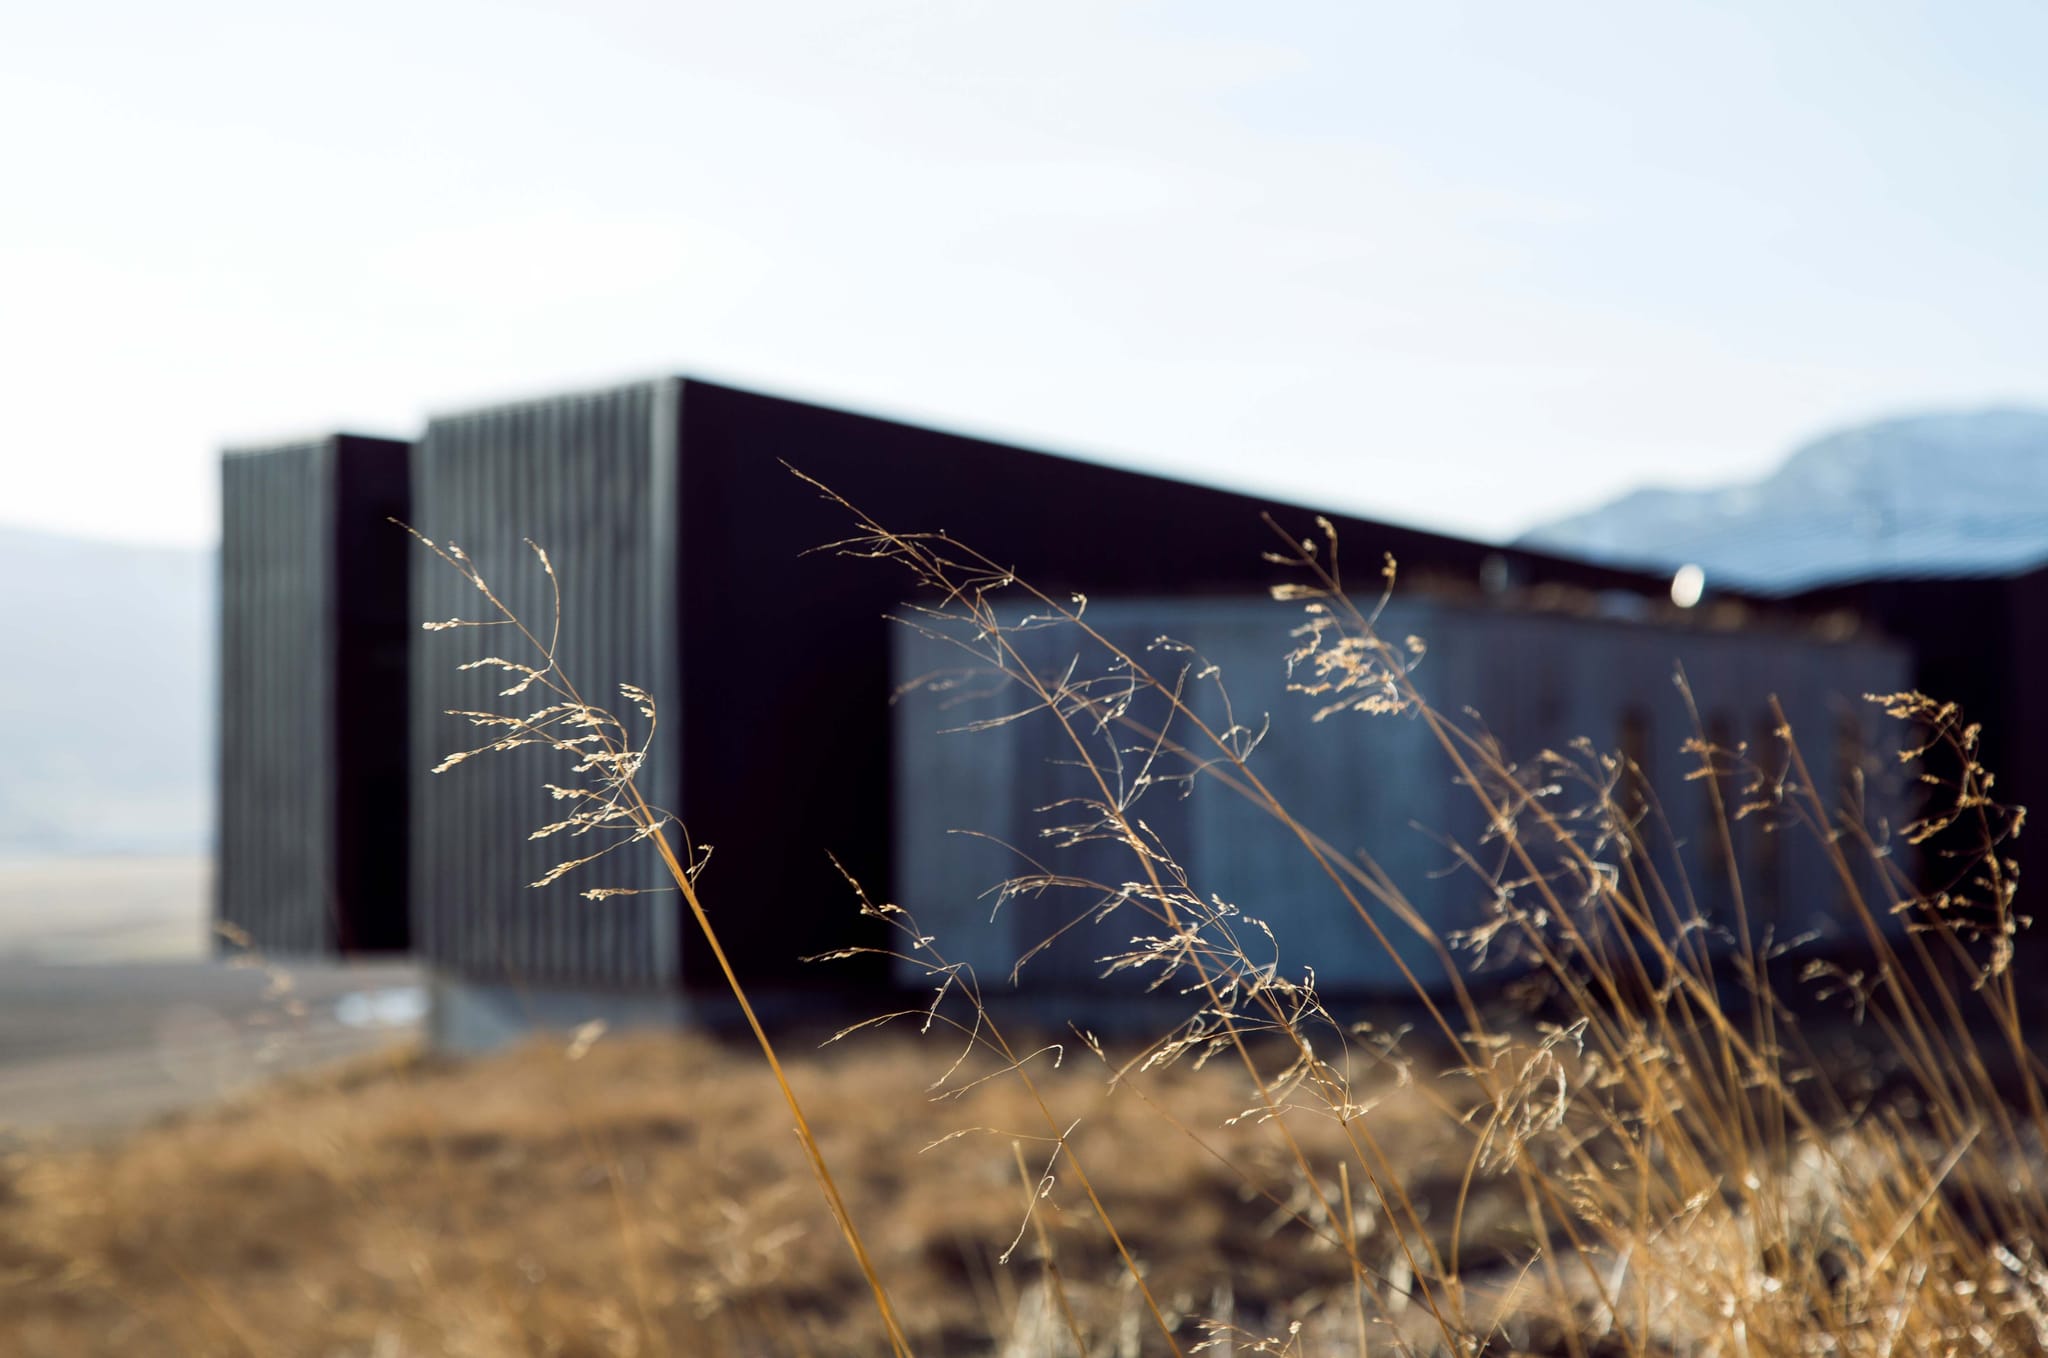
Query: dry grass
{"points": [[1694, 1174], [1690, 1152], [649, 1197]]}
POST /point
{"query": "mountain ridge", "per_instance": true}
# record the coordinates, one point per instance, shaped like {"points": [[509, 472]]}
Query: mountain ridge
{"points": [[1942, 493]]}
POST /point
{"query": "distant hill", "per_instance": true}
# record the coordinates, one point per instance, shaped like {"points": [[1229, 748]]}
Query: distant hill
{"points": [[106, 686], [1928, 495]]}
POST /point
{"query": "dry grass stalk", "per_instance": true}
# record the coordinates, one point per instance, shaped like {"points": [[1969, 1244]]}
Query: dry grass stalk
{"points": [[1693, 1175], [1680, 1152], [608, 761]]}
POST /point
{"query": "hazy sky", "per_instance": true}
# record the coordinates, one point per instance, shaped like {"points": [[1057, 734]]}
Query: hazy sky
{"points": [[1461, 265]]}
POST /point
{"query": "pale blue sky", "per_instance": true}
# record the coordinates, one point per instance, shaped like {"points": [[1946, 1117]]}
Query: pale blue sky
{"points": [[1461, 265]]}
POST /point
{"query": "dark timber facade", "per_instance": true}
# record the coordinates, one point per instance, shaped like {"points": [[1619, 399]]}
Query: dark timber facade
{"points": [[687, 557], [686, 552], [314, 635]]}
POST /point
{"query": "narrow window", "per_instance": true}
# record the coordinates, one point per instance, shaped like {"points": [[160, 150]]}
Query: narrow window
{"points": [[1849, 767], [1718, 801], [1635, 783], [1768, 857], [1849, 773]]}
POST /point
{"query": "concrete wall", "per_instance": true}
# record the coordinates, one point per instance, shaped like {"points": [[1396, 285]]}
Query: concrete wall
{"points": [[1378, 784]]}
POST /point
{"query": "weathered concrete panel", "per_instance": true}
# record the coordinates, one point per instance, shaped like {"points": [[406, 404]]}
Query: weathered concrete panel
{"points": [[1380, 785]]}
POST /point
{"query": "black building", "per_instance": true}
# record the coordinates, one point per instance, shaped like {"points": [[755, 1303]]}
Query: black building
{"points": [[686, 555], [685, 549], [314, 635]]}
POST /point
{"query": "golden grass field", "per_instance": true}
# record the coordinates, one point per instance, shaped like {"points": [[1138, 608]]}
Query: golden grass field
{"points": [[1680, 1139], [631, 1194], [649, 1196]]}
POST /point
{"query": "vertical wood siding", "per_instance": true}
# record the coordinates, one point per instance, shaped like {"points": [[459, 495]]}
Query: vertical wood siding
{"points": [[276, 868], [312, 708], [590, 479]]}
